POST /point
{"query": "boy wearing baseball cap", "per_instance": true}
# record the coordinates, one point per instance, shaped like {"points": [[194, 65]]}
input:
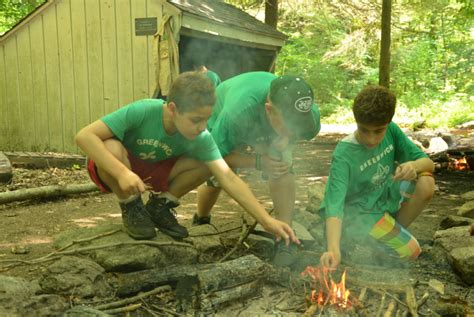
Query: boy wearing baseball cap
{"points": [[268, 113]]}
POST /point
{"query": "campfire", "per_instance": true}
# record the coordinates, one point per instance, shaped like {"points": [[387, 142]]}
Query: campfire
{"points": [[325, 291], [459, 164]]}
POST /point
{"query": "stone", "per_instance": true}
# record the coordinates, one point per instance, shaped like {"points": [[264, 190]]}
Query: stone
{"points": [[468, 195], [6, 171], [315, 196], [206, 241], [455, 221], [437, 144], [463, 262], [467, 210], [76, 276]]}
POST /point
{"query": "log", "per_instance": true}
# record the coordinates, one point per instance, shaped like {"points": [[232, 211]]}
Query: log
{"points": [[210, 301], [46, 191], [6, 173], [210, 277]]}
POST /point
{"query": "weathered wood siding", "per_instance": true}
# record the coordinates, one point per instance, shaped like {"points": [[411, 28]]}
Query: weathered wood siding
{"points": [[70, 64]]}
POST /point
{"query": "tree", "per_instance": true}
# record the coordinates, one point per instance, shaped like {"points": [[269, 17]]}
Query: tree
{"points": [[384, 62], [271, 13]]}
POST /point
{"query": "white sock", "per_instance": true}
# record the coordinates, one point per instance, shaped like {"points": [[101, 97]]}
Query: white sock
{"points": [[169, 196], [129, 199]]}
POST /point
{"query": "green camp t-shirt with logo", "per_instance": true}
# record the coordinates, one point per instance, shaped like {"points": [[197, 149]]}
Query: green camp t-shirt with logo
{"points": [[239, 116], [139, 126], [360, 186]]}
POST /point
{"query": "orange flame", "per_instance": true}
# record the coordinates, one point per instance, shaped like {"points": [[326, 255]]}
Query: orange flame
{"points": [[461, 164], [325, 290]]}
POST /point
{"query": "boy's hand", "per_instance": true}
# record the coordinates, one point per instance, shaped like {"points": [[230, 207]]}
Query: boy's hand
{"points": [[131, 184], [330, 259], [274, 168], [281, 230], [405, 171]]}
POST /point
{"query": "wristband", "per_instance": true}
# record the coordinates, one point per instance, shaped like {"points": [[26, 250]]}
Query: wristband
{"points": [[258, 162], [425, 174]]}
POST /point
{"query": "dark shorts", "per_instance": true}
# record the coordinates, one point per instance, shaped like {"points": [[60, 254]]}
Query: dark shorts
{"points": [[153, 174]]}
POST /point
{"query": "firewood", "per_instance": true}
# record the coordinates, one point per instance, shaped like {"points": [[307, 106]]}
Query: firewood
{"points": [[411, 301], [126, 301], [390, 309], [382, 303], [311, 310], [210, 301], [422, 300], [211, 277], [46, 191]]}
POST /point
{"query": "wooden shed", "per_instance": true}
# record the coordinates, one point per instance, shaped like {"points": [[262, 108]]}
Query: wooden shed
{"points": [[71, 61]]}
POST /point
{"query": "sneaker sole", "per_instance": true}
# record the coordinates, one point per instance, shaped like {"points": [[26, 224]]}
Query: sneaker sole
{"points": [[139, 237], [174, 234]]}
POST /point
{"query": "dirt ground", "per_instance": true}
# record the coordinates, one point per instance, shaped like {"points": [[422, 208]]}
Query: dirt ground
{"points": [[32, 225]]}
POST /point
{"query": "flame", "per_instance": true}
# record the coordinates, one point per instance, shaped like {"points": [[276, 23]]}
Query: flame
{"points": [[461, 164], [324, 290]]}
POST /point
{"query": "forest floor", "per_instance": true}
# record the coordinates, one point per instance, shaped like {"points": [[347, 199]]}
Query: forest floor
{"points": [[32, 225]]}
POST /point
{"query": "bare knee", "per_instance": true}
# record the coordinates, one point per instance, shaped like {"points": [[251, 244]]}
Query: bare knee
{"points": [[118, 150], [425, 188]]}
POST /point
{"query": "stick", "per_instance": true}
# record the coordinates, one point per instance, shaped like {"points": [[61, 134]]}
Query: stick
{"points": [[105, 234], [382, 303], [390, 309], [411, 301], [46, 191], [422, 300], [123, 309], [126, 301]]}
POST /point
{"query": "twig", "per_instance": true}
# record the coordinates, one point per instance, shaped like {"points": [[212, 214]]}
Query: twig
{"points": [[382, 303], [411, 301], [396, 299], [390, 309], [169, 311], [363, 294], [123, 309], [214, 233], [126, 301], [422, 300], [88, 239]]}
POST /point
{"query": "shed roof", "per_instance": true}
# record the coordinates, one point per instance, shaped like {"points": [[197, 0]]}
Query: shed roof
{"points": [[226, 14]]}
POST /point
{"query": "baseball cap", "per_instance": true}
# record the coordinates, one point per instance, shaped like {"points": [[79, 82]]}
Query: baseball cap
{"points": [[294, 97]]}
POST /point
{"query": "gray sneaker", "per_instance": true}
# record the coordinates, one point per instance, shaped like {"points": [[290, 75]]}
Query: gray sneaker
{"points": [[284, 255], [136, 220]]}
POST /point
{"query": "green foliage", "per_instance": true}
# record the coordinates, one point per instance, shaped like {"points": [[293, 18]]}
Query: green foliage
{"points": [[12, 11]]}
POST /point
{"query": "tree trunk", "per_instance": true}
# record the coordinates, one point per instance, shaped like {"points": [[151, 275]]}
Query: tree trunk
{"points": [[384, 64], [271, 13]]}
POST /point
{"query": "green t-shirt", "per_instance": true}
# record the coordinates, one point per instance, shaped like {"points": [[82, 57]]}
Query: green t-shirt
{"points": [[239, 118], [360, 186], [139, 126]]}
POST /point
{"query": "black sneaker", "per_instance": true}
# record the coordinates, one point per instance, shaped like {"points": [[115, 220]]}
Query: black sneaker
{"points": [[164, 216], [205, 220], [284, 255], [136, 220]]}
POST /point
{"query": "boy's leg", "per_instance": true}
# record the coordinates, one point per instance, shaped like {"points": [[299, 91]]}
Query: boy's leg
{"points": [[206, 199], [415, 204], [185, 175], [136, 220]]}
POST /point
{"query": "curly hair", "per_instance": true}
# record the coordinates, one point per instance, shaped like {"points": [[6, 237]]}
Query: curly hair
{"points": [[374, 105], [192, 90]]}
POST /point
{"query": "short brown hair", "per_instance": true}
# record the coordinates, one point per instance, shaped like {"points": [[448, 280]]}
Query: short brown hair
{"points": [[374, 105], [192, 90]]}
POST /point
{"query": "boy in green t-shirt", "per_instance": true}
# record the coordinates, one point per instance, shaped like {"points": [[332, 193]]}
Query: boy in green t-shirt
{"points": [[165, 146], [267, 113], [379, 181]]}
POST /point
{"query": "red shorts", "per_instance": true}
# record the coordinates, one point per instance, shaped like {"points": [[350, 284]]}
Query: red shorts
{"points": [[153, 174]]}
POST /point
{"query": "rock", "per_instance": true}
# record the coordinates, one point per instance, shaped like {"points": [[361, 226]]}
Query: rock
{"points": [[206, 241], [437, 144], [315, 196], [75, 276], [455, 221], [127, 258], [307, 219], [463, 262], [467, 210], [44, 305], [453, 238], [14, 289], [260, 245], [468, 195], [466, 125]]}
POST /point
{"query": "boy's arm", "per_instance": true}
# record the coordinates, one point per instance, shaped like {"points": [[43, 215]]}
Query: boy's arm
{"points": [[238, 190], [332, 257], [91, 140], [410, 170]]}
